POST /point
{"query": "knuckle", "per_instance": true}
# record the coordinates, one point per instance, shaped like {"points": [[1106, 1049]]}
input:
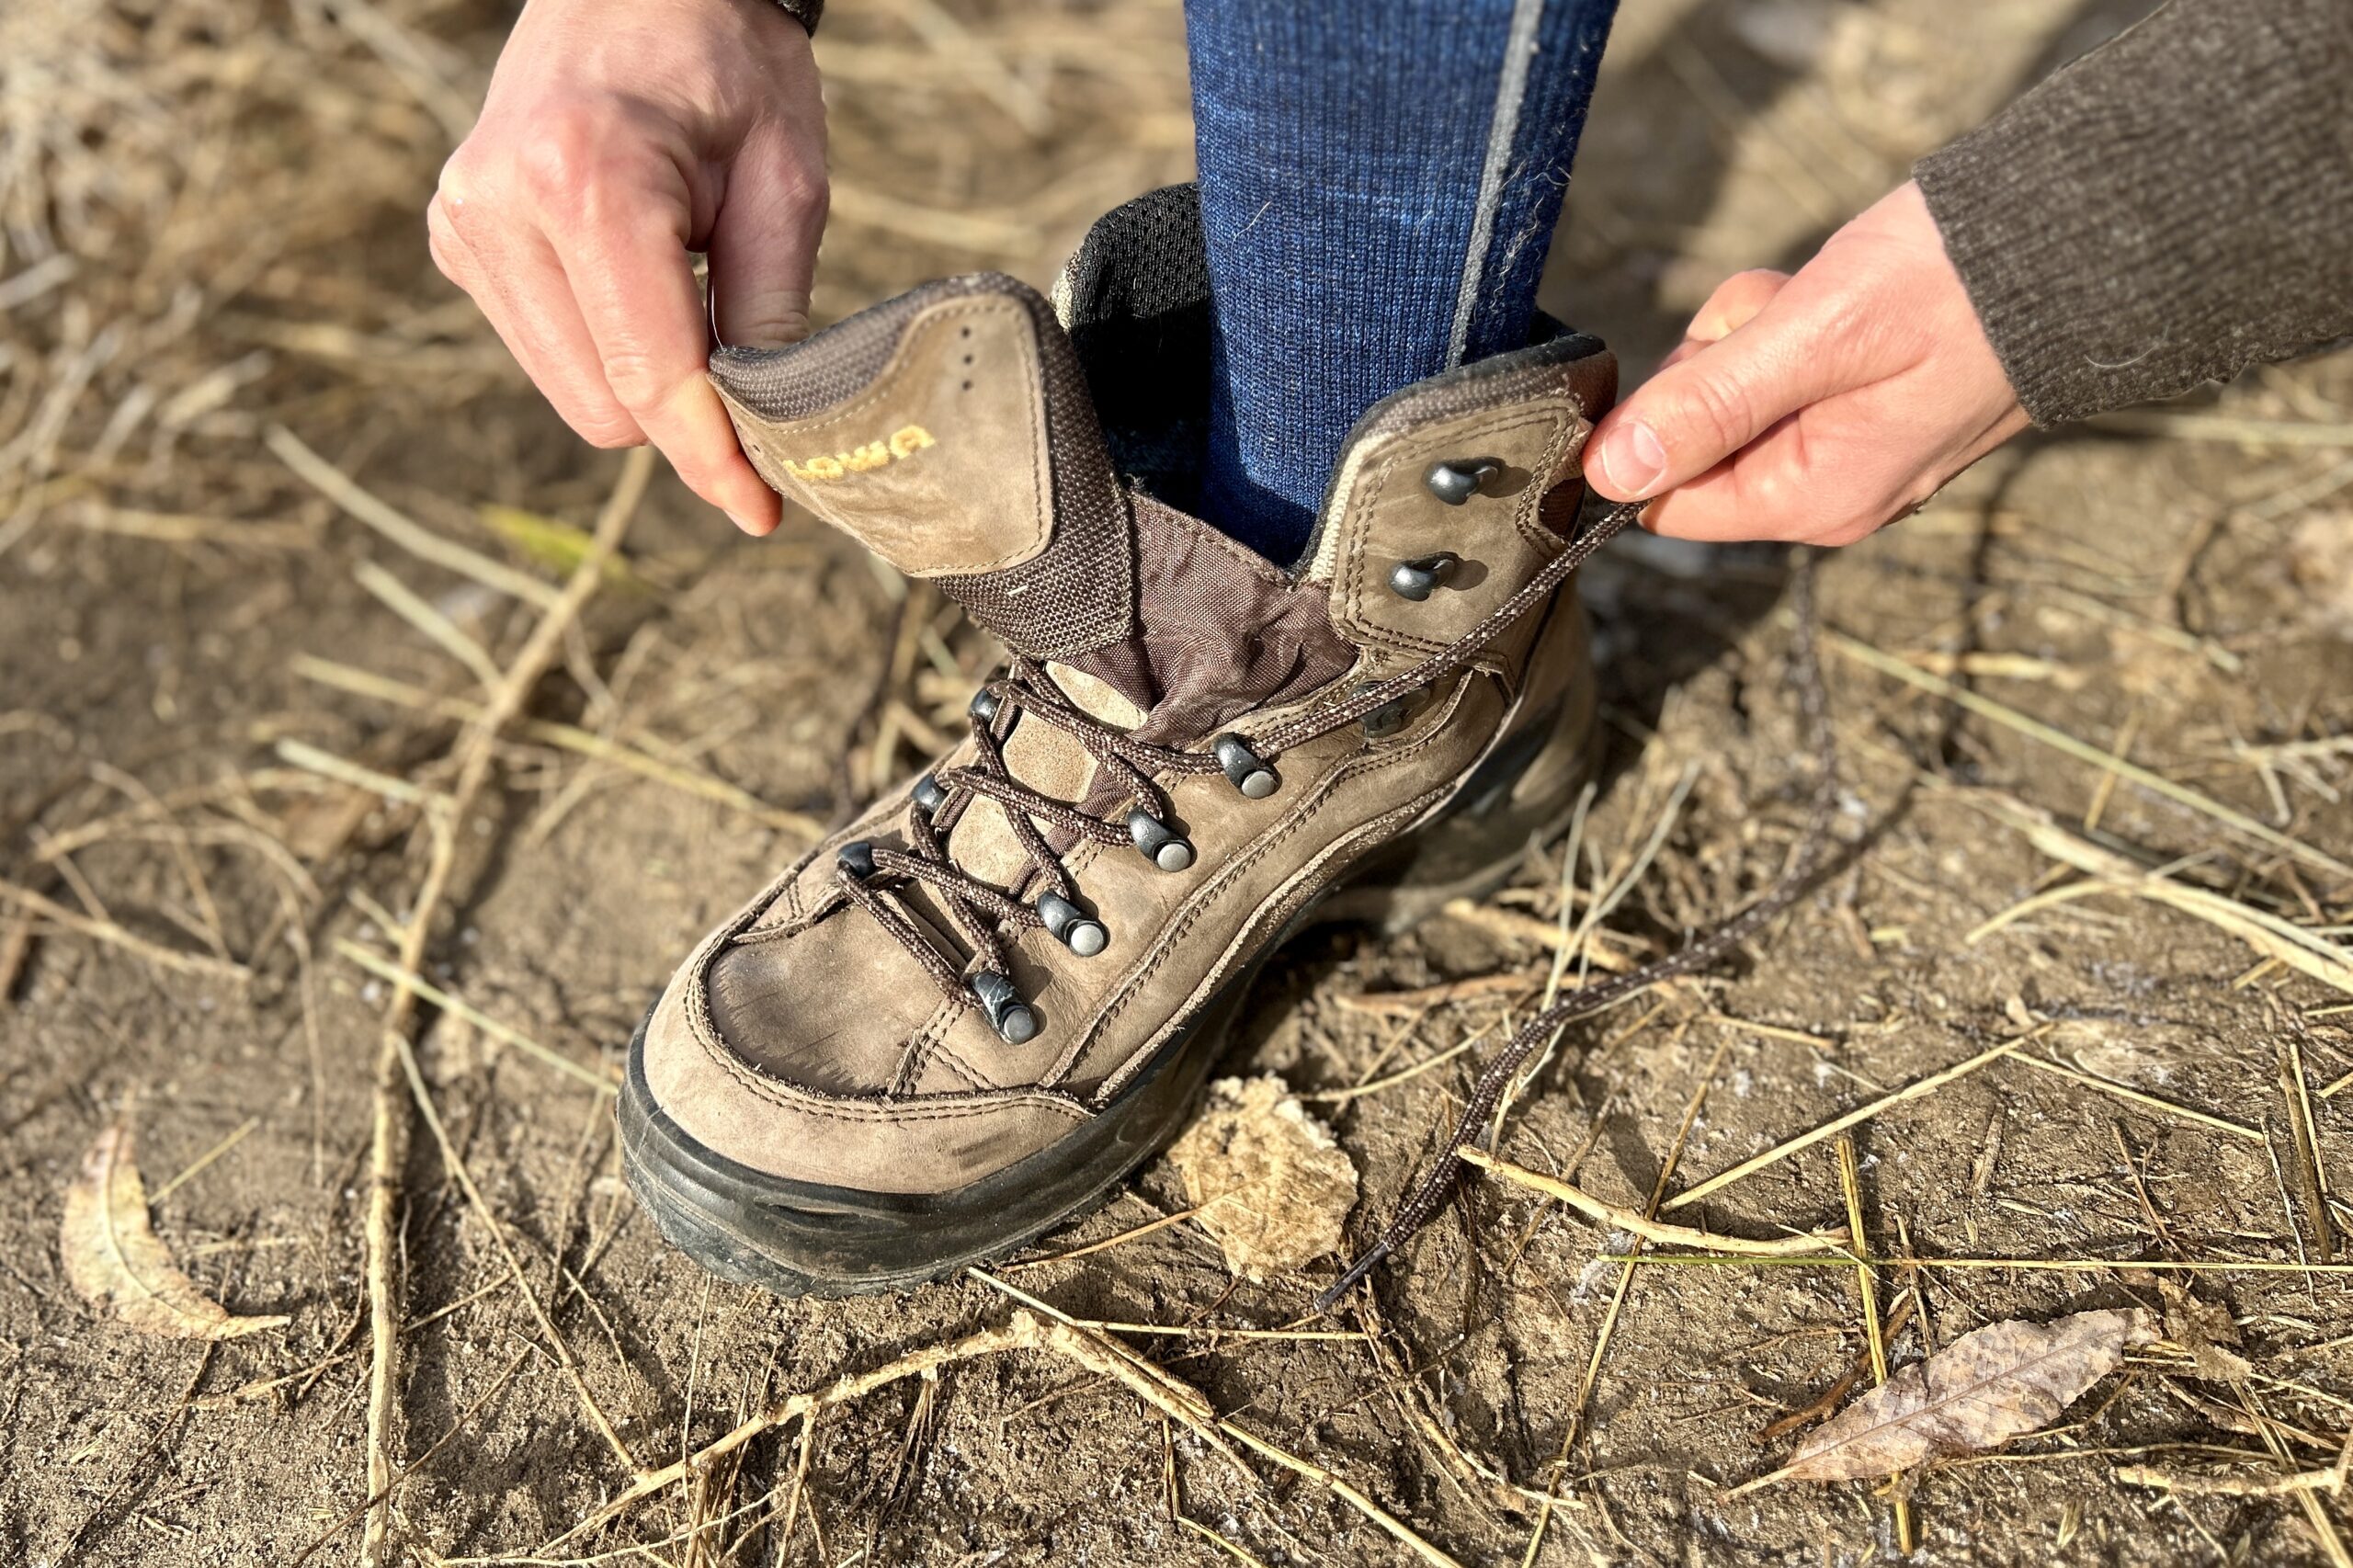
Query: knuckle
{"points": [[637, 381], [811, 195], [1751, 287], [445, 255], [1717, 409], [468, 179], [558, 164], [442, 232], [608, 428]]}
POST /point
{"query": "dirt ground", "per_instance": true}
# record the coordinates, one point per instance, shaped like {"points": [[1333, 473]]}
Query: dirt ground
{"points": [[220, 738]]}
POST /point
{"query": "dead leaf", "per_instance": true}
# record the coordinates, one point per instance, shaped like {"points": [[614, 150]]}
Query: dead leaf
{"points": [[113, 1260], [1272, 1184], [2001, 1381]]}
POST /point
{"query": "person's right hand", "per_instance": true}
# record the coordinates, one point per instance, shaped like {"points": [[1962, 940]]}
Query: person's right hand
{"points": [[619, 136], [1815, 408]]}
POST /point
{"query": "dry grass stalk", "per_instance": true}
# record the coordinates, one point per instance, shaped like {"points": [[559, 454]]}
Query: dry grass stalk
{"points": [[388, 1142], [2141, 1098], [114, 936], [343, 771], [2113, 873], [1634, 1224], [2193, 1486], [1404, 1074], [482, 1211], [2059, 740], [1770, 1032], [402, 531], [1422, 998], [392, 974], [465, 1418], [566, 737], [1147, 1228], [1912, 1091], [1229, 1548], [1212, 1428], [2312, 1176], [2324, 1529], [190, 1171], [430, 623], [1996, 1265], [1626, 1266], [1026, 1330], [1584, 943], [1850, 1187]]}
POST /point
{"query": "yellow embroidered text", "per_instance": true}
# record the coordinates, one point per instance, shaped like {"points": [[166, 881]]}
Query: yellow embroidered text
{"points": [[904, 442]]}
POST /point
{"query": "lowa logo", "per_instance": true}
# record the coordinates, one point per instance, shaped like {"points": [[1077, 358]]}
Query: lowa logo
{"points": [[902, 443]]}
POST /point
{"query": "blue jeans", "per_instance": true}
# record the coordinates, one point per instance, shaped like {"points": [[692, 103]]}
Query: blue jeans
{"points": [[1380, 180]]}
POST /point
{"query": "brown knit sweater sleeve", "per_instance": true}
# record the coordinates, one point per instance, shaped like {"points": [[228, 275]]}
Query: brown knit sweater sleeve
{"points": [[2168, 209]]}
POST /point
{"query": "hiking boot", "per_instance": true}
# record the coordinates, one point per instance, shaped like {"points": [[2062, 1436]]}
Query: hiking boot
{"points": [[962, 1020]]}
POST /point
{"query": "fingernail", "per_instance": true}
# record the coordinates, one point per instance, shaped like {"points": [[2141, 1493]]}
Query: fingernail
{"points": [[744, 523], [1633, 460]]}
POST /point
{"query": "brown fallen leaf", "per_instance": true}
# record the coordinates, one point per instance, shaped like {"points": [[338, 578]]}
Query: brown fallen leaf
{"points": [[113, 1260], [1999, 1382], [1272, 1184]]}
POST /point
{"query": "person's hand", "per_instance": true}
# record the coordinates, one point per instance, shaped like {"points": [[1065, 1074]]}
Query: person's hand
{"points": [[619, 136], [1815, 407]]}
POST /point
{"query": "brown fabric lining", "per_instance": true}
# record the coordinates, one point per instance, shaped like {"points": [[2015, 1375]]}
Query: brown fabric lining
{"points": [[1220, 634]]}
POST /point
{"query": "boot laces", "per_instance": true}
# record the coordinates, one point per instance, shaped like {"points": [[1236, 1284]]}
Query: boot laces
{"points": [[876, 876]]}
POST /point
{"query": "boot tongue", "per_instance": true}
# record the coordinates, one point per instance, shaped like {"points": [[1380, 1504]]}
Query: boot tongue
{"points": [[1219, 632], [950, 431]]}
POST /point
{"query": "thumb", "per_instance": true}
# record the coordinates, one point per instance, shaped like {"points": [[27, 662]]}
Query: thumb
{"points": [[764, 243], [1706, 404]]}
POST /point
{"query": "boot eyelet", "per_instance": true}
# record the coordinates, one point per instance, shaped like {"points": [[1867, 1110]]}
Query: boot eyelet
{"points": [[1415, 580], [1015, 1020], [984, 705], [1393, 715], [1071, 926], [1162, 844], [929, 795], [857, 857], [1456, 479], [1246, 768]]}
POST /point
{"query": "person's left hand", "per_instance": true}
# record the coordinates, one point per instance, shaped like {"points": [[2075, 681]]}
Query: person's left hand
{"points": [[1814, 408], [618, 136]]}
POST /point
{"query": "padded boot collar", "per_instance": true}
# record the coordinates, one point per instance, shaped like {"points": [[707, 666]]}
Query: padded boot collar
{"points": [[950, 431]]}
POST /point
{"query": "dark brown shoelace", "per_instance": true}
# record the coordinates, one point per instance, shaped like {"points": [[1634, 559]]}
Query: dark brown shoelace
{"points": [[870, 875]]}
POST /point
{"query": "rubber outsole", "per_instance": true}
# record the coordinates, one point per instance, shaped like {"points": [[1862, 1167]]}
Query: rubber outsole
{"points": [[795, 1238]]}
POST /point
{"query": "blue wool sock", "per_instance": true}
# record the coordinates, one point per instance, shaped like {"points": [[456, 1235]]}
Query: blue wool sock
{"points": [[1379, 186]]}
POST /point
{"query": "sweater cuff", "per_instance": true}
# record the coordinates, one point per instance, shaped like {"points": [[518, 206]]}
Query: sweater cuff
{"points": [[2166, 210]]}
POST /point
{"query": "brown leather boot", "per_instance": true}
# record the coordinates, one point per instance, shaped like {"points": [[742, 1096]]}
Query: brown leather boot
{"points": [[962, 1020]]}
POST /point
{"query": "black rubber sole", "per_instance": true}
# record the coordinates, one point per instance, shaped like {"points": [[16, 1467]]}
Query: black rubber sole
{"points": [[798, 1238]]}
